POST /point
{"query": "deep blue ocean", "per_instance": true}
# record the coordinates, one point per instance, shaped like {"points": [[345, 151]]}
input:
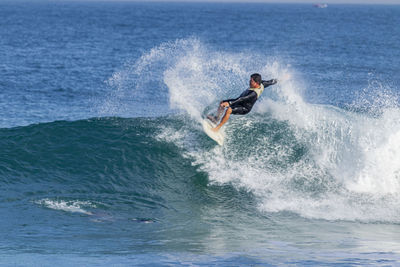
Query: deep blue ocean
{"points": [[103, 161]]}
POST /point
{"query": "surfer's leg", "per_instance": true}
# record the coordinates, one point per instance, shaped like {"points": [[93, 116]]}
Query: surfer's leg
{"points": [[212, 118], [238, 110], [224, 119], [220, 111]]}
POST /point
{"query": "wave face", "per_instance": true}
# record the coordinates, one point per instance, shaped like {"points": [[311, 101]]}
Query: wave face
{"points": [[96, 157]]}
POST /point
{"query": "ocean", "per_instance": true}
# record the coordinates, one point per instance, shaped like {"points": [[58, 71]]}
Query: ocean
{"points": [[104, 162]]}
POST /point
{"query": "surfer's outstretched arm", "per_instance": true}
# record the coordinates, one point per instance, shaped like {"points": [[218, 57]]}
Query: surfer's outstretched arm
{"points": [[270, 82]]}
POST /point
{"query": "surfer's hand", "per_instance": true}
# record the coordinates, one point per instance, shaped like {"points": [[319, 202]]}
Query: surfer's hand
{"points": [[224, 104]]}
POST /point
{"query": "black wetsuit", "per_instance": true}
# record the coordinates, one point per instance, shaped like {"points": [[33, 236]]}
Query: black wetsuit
{"points": [[244, 103]]}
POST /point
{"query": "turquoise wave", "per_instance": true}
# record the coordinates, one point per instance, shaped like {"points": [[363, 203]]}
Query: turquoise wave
{"points": [[116, 162], [97, 155]]}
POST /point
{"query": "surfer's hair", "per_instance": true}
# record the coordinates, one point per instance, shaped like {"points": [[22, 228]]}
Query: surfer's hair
{"points": [[256, 77]]}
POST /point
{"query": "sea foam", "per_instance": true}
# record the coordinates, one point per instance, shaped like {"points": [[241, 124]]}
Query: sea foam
{"points": [[74, 206]]}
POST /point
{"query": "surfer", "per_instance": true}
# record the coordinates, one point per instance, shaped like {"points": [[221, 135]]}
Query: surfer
{"points": [[244, 103]]}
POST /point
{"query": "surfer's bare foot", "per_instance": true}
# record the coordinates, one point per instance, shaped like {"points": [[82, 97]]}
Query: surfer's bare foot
{"points": [[216, 129], [212, 118]]}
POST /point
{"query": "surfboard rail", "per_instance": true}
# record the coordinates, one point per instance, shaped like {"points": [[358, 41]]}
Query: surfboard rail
{"points": [[216, 136]]}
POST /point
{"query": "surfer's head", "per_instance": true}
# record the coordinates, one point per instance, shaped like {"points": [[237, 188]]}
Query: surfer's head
{"points": [[255, 80]]}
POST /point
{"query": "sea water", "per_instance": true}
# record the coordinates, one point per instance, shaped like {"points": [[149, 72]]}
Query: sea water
{"points": [[103, 160]]}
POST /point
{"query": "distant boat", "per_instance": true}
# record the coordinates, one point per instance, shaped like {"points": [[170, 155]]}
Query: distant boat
{"points": [[321, 5]]}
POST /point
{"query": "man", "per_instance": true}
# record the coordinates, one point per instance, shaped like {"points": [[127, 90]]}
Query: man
{"points": [[244, 103]]}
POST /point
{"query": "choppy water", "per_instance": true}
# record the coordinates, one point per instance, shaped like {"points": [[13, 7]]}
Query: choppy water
{"points": [[103, 160]]}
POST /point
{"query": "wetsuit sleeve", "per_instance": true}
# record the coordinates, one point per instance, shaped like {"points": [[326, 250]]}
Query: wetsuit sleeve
{"points": [[243, 99], [270, 82], [230, 100]]}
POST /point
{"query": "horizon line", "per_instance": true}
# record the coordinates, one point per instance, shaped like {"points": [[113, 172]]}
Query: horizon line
{"points": [[328, 2]]}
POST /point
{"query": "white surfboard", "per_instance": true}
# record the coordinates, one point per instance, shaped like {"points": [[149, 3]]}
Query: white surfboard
{"points": [[216, 136]]}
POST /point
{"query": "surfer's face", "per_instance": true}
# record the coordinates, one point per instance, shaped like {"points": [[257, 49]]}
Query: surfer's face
{"points": [[253, 84]]}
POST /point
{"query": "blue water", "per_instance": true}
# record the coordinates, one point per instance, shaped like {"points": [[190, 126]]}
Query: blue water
{"points": [[103, 160]]}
